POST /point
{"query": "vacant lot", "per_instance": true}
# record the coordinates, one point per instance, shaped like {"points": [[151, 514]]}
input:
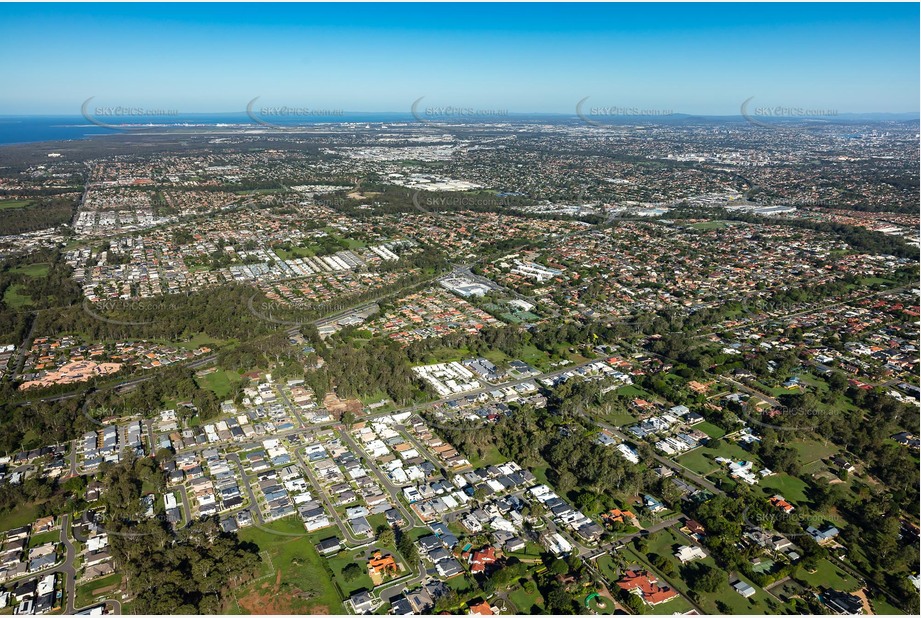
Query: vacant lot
{"points": [[90, 592], [295, 580], [220, 382]]}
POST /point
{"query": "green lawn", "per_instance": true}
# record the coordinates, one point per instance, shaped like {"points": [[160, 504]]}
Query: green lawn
{"points": [[39, 269], [708, 225], [703, 460], [881, 606], [827, 574], [446, 355], [496, 357], [812, 450], [199, 340], [711, 430], [788, 486], [15, 297], [619, 418], [607, 567], [523, 601], [294, 252], [492, 457], [536, 358], [304, 585], [220, 382], [22, 515], [85, 596], [664, 541], [632, 391], [52, 536], [344, 558], [13, 204], [867, 281], [529, 553]]}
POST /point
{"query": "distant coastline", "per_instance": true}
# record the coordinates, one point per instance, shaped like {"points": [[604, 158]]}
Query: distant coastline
{"points": [[17, 130]]}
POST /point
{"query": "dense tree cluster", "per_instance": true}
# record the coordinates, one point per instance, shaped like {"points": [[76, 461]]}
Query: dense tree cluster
{"points": [[189, 571], [41, 213]]}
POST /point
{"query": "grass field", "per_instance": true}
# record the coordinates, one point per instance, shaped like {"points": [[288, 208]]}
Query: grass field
{"points": [[827, 574], [220, 382], [524, 602], [632, 391], [703, 460], [15, 297], [446, 355], [708, 225], [492, 457], [711, 430], [39, 269], [85, 596], [788, 486], [23, 515], [52, 536], [813, 450], [343, 559], [294, 580], [199, 340], [619, 418], [13, 204], [881, 606], [534, 357], [294, 252]]}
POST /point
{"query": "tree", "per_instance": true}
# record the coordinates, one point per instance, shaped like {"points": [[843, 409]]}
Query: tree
{"points": [[559, 566], [704, 577], [187, 571], [385, 535], [406, 547], [634, 603], [351, 572]]}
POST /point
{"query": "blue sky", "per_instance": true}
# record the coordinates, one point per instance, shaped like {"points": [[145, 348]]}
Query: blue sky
{"points": [[697, 59]]}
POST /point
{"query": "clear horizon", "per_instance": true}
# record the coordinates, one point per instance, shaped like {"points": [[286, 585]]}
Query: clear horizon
{"points": [[524, 59]]}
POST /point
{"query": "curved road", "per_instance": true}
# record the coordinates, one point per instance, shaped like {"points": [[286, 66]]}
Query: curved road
{"points": [[67, 568]]}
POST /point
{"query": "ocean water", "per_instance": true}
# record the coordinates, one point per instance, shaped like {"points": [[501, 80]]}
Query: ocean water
{"points": [[25, 129], [29, 129]]}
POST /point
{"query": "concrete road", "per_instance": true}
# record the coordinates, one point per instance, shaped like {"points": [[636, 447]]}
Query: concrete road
{"points": [[254, 505], [321, 494], [186, 503], [67, 568], [397, 589], [408, 514]]}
